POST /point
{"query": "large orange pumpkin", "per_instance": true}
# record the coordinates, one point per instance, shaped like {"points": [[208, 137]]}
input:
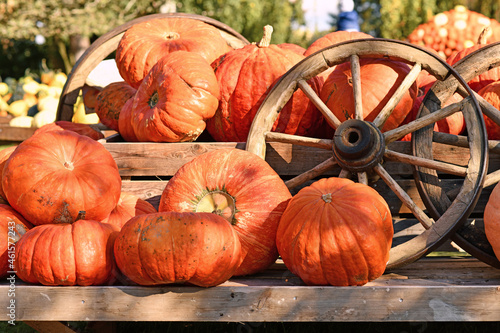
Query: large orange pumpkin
{"points": [[175, 99], [4, 155], [110, 101], [379, 80], [67, 254], [241, 187], [245, 76], [127, 207], [491, 220], [169, 247], [145, 43], [12, 227], [336, 232], [52, 176]]}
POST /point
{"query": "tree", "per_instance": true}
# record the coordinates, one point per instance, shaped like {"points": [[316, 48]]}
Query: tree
{"points": [[68, 26]]}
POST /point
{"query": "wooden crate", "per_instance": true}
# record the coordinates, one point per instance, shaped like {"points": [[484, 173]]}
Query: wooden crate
{"points": [[430, 289]]}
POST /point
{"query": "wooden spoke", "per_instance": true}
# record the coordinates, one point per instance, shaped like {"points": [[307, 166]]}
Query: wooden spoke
{"points": [[356, 87], [363, 178], [384, 114], [310, 174], [344, 173], [423, 162], [332, 120], [461, 141], [299, 140], [426, 120], [488, 109], [404, 197], [492, 178]]}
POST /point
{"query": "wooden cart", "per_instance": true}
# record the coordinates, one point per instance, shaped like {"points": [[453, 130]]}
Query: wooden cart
{"points": [[434, 185]]}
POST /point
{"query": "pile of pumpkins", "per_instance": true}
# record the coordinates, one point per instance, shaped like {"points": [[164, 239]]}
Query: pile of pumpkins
{"points": [[33, 102], [225, 213]]}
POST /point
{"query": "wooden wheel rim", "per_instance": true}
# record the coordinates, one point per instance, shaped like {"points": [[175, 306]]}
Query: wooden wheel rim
{"points": [[107, 43], [318, 62], [469, 237]]}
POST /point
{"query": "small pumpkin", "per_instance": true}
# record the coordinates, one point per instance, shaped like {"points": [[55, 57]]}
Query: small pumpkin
{"points": [[333, 38], [491, 93], [127, 207], [67, 254], [336, 232], [242, 188], [143, 44], [168, 247], [125, 127], [175, 99], [52, 176], [12, 227], [110, 101]]}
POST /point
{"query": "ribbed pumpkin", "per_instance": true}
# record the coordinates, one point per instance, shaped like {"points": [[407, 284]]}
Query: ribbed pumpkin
{"points": [[145, 43], [67, 254], [128, 206], [336, 232], [4, 155], [175, 99], [491, 220], [110, 102], [52, 176], [379, 80], [125, 127], [12, 227], [82, 129], [480, 81], [242, 188], [491, 93], [245, 76], [168, 247]]}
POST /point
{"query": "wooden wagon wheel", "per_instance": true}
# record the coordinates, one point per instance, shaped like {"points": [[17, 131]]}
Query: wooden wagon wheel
{"points": [[470, 237], [107, 44], [378, 149]]}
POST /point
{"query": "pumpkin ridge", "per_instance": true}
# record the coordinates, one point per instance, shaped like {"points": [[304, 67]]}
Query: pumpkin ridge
{"points": [[140, 235]]}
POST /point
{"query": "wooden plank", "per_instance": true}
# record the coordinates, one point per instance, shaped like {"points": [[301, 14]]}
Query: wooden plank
{"points": [[49, 327], [427, 290], [15, 134]]}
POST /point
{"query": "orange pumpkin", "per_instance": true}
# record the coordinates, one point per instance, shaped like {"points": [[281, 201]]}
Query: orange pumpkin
{"points": [[52, 176], [491, 220], [67, 254], [82, 129], [168, 247], [12, 227], [379, 80], [336, 232], [4, 155], [491, 93], [110, 102], [127, 207], [145, 43], [125, 127], [241, 187], [175, 99]]}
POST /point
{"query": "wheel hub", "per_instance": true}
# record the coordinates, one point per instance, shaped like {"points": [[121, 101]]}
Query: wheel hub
{"points": [[358, 145]]}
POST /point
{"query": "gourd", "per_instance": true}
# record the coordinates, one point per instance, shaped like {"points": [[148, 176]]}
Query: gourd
{"points": [[127, 207]]}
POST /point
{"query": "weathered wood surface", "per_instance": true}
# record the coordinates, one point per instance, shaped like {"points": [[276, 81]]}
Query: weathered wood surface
{"points": [[15, 134], [431, 289]]}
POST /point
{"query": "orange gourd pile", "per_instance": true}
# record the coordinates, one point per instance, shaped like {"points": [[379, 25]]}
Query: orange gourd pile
{"points": [[453, 31]]}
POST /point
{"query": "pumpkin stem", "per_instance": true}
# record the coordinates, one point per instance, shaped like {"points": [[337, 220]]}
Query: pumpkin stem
{"points": [[327, 197], [482, 39], [69, 165], [153, 100], [266, 38], [81, 215], [172, 35]]}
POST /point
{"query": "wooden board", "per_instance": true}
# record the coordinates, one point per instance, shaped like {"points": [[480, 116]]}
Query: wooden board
{"points": [[431, 289]]}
